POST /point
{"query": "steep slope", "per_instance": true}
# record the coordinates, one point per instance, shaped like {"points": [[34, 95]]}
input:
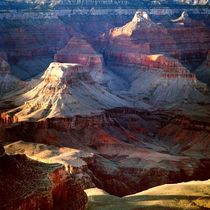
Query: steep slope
{"points": [[28, 184], [185, 39], [133, 150], [78, 50], [140, 20], [72, 159], [159, 77], [189, 195], [64, 90]]}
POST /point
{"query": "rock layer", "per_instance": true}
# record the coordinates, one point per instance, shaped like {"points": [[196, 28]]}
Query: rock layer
{"points": [[144, 148], [184, 42], [78, 50], [64, 90], [33, 185]]}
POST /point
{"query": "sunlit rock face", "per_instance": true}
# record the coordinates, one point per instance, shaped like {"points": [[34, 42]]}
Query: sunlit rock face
{"points": [[73, 160], [78, 50], [97, 4], [30, 41], [188, 41], [132, 129], [64, 90], [133, 149], [158, 77], [34, 185], [140, 20]]}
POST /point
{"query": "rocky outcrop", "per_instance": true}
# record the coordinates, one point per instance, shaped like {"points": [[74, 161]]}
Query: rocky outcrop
{"points": [[188, 43], [140, 20], [30, 42], [162, 77], [65, 90], [73, 160], [158, 76], [34, 185], [78, 50], [144, 148]]}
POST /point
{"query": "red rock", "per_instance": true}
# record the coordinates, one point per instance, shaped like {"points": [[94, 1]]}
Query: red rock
{"points": [[4, 67], [78, 50], [34, 185], [187, 43], [125, 145]]}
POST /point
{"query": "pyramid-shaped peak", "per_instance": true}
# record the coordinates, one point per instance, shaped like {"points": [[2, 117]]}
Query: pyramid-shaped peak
{"points": [[78, 44], [79, 50]]}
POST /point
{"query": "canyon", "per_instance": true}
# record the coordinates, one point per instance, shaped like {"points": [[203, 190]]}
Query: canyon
{"points": [[105, 99]]}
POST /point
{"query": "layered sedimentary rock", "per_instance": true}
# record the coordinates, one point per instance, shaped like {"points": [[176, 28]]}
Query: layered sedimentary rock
{"points": [[144, 148], [64, 90], [72, 159], [31, 42], [140, 20], [188, 42], [28, 184], [78, 50], [127, 149], [159, 77], [99, 4], [31, 38]]}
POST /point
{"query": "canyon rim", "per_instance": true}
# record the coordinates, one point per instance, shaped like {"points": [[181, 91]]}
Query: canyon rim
{"points": [[104, 105]]}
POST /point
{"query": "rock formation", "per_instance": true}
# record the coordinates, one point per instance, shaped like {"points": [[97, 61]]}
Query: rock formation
{"points": [[144, 148], [72, 159], [185, 43], [28, 184], [159, 77], [78, 50], [140, 20], [64, 90], [117, 111], [171, 196]]}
